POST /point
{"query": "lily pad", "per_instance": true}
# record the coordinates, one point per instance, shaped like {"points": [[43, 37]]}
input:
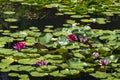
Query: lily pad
{"points": [[100, 74], [11, 20], [14, 67], [13, 27], [79, 55], [49, 26], [69, 13], [57, 57], [76, 16], [86, 20], [69, 72], [13, 74], [37, 74], [26, 68], [9, 12], [45, 39], [27, 61], [16, 0], [57, 74]]}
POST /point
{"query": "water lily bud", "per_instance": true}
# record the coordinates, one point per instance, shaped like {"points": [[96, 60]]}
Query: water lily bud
{"points": [[96, 54], [83, 40], [103, 62], [19, 45], [72, 37], [41, 63]]}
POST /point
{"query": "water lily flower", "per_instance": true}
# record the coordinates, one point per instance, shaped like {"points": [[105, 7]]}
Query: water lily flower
{"points": [[94, 20], [103, 62], [41, 63], [19, 45], [96, 54], [72, 37], [83, 40]]}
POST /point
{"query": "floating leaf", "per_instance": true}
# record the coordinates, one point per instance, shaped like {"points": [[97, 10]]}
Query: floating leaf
{"points": [[100, 74], [113, 58], [48, 56], [27, 61], [26, 68], [13, 74], [46, 38], [37, 74], [76, 16], [69, 13], [56, 74], [9, 12], [86, 20], [11, 20], [79, 55], [69, 72], [16, 0]]}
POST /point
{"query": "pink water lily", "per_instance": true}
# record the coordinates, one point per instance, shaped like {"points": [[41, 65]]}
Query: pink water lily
{"points": [[19, 45], [103, 62], [41, 63], [96, 54], [72, 37], [83, 40]]}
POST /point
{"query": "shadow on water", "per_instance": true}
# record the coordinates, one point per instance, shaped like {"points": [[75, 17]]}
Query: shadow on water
{"points": [[58, 21]]}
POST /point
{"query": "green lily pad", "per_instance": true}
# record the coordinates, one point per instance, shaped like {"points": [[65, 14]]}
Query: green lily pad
{"points": [[113, 58], [70, 21], [86, 20], [13, 27], [48, 30], [59, 14], [14, 67], [99, 74], [13, 74], [33, 55], [16, 0], [55, 61], [79, 55], [101, 20], [69, 72], [77, 64], [5, 70], [7, 61], [26, 68], [45, 39], [64, 65], [3, 65], [49, 26], [29, 50], [11, 20], [89, 70], [27, 61], [33, 28], [9, 12], [48, 56], [37, 74], [57, 74], [19, 54], [39, 69], [26, 78], [6, 34], [2, 45], [76, 16], [69, 13]]}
